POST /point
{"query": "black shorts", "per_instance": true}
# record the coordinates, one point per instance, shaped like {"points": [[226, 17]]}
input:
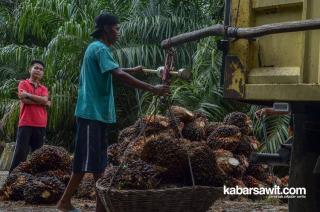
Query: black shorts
{"points": [[90, 153]]}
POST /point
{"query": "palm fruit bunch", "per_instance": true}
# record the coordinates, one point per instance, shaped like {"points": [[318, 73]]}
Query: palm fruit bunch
{"points": [[245, 147], [128, 150], [259, 171], [233, 182], [166, 152], [128, 134], [86, 189], [285, 181], [240, 120], [153, 124], [182, 114], [252, 182], [255, 144], [133, 175], [62, 175], [218, 152], [50, 158], [24, 167], [42, 179], [196, 129], [228, 164], [203, 163], [134, 149], [273, 180], [15, 185], [212, 126], [244, 165], [225, 137], [114, 153], [44, 190]]}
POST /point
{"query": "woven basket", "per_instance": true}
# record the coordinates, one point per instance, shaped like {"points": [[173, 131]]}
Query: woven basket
{"points": [[185, 199]]}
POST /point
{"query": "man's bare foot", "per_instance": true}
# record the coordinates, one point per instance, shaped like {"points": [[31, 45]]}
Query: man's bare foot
{"points": [[65, 206]]}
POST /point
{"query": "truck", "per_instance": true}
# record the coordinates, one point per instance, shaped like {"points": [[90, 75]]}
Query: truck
{"points": [[271, 54]]}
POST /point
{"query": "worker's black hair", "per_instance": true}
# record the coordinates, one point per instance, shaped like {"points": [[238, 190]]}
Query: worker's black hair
{"points": [[37, 62]]}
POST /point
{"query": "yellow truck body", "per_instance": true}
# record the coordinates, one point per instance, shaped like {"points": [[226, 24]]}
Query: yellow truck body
{"points": [[278, 67]]}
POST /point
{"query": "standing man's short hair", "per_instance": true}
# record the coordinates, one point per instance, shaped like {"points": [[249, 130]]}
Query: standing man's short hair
{"points": [[37, 62], [102, 20]]}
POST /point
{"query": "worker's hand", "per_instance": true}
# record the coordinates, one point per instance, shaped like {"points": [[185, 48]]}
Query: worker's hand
{"points": [[48, 103], [260, 113], [23, 94], [137, 69], [161, 90]]}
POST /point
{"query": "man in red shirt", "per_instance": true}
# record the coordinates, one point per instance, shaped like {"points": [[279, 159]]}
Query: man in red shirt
{"points": [[33, 114]]}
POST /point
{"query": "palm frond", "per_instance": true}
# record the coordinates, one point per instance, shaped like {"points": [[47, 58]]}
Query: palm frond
{"points": [[271, 130]]}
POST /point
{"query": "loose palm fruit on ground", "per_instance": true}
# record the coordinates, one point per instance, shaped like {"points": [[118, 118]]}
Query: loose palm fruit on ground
{"points": [[44, 190], [15, 185], [23, 167], [50, 158], [62, 175]]}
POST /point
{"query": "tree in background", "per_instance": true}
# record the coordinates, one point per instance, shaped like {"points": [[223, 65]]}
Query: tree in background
{"points": [[57, 32]]}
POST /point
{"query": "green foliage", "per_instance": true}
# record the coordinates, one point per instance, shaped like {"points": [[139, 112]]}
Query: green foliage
{"points": [[58, 31], [272, 131]]}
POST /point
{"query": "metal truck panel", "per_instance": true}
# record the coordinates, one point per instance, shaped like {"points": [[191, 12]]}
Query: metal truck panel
{"points": [[278, 67]]}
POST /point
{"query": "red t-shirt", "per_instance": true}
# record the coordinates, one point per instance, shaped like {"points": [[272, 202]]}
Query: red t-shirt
{"points": [[32, 114]]}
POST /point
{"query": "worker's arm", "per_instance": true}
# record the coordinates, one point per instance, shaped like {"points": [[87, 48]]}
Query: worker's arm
{"points": [[27, 101], [29, 98], [133, 82], [269, 112], [133, 70], [23, 94]]}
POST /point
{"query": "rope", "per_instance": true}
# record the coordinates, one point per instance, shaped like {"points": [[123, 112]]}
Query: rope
{"points": [[124, 157], [180, 136], [168, 67], [140, 111]]}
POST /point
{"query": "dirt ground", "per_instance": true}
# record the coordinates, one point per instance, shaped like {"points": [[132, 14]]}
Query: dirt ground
{"points": [[224, 205], [86, 206], [247, 206], [20, 206]]}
